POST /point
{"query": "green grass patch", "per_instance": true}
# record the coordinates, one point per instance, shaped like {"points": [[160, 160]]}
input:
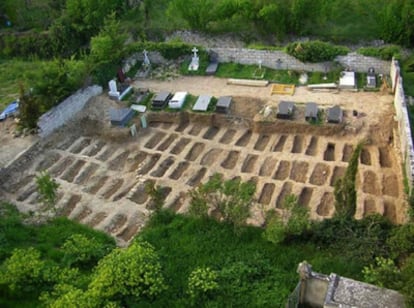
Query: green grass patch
{"points": [[13, 72], [252, 271]]}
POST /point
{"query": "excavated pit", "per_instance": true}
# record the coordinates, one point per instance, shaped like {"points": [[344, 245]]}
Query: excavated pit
{"points": [[195, 151], [280, 144], [73, 171], [179, 147], [284, 192], [347, 152], [365, 156], [299, 171], [155, 139], [311, 150], [329, 154], [245, 139], [228, 136], [282, 171], [231, 160], [118, 163], [211, 133], [297, 144], [167, 142], [320, 174], [267, 193], [305, 196], [179, 170], [268, 166], [326, 206], [249, 163], [261, 142]]}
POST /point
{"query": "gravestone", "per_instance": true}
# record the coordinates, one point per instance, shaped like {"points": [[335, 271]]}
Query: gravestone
{"points": [[194, 60], [113, 90], [146, 66]]}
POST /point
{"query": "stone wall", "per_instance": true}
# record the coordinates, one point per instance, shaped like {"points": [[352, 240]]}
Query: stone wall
{"points": [[404, 128], [61, 113], [277, 59]]}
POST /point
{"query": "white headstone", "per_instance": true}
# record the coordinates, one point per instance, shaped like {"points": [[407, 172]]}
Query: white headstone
{"points": [[260, 64], [194, 61], [113, 91]]}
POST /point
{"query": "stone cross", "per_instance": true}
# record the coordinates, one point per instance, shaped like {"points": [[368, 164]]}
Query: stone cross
{"points": [[195, 50], [146, 59]]}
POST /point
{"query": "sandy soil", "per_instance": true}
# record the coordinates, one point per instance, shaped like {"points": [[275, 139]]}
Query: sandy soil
{"points": [[103, 171]]}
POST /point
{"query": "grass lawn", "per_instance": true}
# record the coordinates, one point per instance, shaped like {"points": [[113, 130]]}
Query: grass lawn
{"points": [[13, 72]]}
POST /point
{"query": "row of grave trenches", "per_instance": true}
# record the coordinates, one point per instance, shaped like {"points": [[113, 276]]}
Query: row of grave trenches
{"points": [[325, 148], [103, 184]]}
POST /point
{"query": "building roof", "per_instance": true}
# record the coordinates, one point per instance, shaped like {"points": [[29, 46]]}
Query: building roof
{"points": [[286, 107], [224, 102], [335, 114], [311, 110], [202, 102]]}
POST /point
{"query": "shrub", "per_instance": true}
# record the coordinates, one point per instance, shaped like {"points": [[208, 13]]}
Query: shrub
{"points": [[384, 53], [315, 51], [169, 50]]}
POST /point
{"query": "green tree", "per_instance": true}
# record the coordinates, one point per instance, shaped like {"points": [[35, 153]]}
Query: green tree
{"points": [[294, 220], [80, 250], [344, 190], [383, 273], [202, 282], [134, 271], [23, 270], [231, 199], [197, 14], [47, 189], [29, 109]]}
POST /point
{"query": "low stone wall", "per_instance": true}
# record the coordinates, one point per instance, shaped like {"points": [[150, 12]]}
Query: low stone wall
{"points": [[277, 59], [61, 113], [404, 128]]}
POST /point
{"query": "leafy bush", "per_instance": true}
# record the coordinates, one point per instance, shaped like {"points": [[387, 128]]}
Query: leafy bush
{"points": [[315, 51], [169, 50], [384, 53]]}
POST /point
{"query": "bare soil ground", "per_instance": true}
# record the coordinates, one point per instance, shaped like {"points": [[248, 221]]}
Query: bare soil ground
{"points": [[103, 171]]}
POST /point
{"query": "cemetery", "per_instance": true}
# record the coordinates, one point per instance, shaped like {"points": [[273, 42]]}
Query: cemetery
{"points": [[103, 170]]}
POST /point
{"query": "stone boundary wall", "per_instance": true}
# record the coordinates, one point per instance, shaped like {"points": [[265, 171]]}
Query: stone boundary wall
{"points": [[276, 59], [61, 113], [404, 128]]}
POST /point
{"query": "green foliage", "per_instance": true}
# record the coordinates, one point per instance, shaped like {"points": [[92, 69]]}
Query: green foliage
{"points": [[344, 189], [396, 22], [23, 270], [251, 272], [383, 273], [47, 189], [315, 51], [385, 52], [202, 283], [231, 199], [293, 221], [134, 271], [82, 251], [355, 239], [156, 194], [26, 45], [29, 109], [401, 242], [107, 46]]}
